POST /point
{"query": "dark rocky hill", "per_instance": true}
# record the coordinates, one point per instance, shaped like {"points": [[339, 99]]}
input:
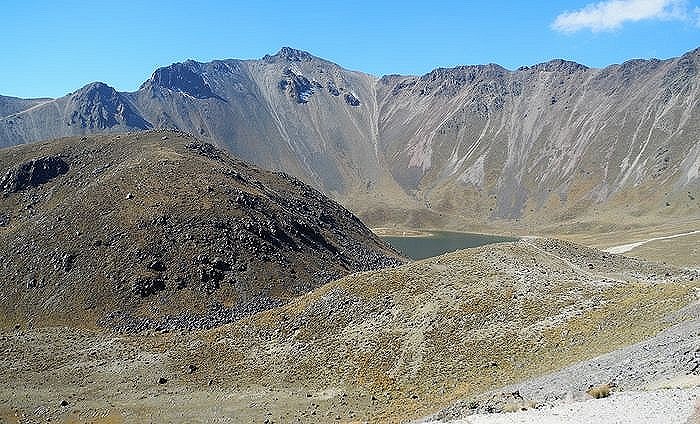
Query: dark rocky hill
{"points": [[158, 229]]}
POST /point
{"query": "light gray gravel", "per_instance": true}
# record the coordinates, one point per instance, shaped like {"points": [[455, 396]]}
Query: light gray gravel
{"points": [[670, 406]]}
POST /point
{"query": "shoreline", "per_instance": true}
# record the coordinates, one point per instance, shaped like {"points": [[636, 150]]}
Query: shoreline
{"points": [[395, 232], [431, 232]]}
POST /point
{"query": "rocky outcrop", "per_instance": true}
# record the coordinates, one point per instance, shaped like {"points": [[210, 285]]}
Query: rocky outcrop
{"points": [[185, 78], [296, 86], [33, 173], [351, 100]]}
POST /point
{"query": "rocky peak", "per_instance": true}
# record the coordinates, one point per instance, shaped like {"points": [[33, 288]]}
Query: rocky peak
{"points": [[639, 66], [464, 73], [183, 77], [557, 65], [290, 55], [449, 81], [96, 91], [99, 106]]}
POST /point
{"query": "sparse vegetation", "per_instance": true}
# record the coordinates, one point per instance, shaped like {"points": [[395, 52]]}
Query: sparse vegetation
{"points": [[600, 391]]}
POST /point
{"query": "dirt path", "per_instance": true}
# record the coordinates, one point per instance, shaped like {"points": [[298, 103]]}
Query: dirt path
{"points": [[577, 269], [627, 247]]}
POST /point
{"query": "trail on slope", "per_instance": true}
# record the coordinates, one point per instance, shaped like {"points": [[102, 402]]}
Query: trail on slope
{"points": [[577, 269], [627, 247]]}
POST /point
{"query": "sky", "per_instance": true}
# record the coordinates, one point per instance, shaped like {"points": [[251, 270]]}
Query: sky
{"points": [[50, 48]]}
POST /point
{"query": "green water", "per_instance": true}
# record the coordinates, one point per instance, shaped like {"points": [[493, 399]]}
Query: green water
{"points": [[441, 242]]}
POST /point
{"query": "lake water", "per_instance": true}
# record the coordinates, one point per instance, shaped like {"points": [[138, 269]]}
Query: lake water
{"points": [[441, 242]]}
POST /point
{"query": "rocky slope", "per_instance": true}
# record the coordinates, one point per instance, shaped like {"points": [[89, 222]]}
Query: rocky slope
{"points": [[381, 346], [158, 229], [554, 143]]}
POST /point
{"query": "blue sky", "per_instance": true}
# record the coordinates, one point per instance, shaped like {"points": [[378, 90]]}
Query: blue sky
{"points": [[52, 47]]}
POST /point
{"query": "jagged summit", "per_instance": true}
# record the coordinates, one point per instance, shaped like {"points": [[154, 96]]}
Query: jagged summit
{"points": [[185, 77], [558, 65], [95, 92], [95, 86], [291, 55], [465, 72], [97, 106]]}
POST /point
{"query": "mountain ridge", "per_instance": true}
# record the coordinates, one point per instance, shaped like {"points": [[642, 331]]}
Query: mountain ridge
{"points": [[545, 144], [287, 51]]}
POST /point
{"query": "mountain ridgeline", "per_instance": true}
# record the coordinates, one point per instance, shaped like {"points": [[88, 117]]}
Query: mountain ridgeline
{"points": [[556, 143]]}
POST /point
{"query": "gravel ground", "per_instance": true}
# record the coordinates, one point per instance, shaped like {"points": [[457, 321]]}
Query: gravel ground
{"points": [[671, 406]]}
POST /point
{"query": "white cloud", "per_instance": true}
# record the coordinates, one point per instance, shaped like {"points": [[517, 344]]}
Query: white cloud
{"points": [[611, 14]]}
